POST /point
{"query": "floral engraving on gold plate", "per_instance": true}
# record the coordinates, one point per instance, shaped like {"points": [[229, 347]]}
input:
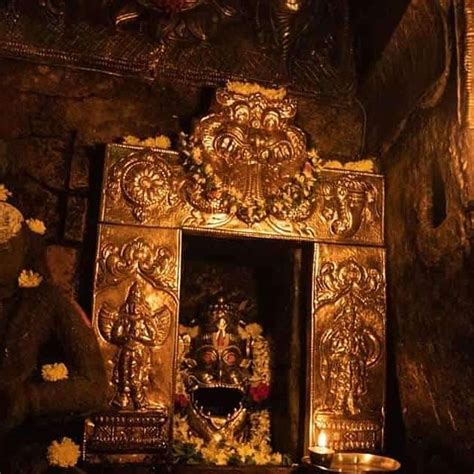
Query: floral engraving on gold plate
{"points": [[154, 263], [143, 181]]}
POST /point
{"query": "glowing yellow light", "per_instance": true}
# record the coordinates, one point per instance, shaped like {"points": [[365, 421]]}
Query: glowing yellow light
{"points": [[322, 439]]}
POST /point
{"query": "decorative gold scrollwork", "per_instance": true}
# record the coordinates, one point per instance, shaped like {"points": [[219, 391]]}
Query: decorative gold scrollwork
{"points": [[347, 204], [248, 160], [156, 264], [144, 180], [350, 281]]}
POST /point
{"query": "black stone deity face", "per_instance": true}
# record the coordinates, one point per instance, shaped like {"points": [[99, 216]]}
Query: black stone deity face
{"points": [[217, 379]]}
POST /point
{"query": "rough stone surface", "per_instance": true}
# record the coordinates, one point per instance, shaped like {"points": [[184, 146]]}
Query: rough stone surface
{"points": [[407, 74], [75, 218], [431, 293], [80, 169], [62, 264]]}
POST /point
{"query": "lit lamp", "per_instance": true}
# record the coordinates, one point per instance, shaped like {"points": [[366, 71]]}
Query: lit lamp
{"points": [[326, 459], [321, 454]]}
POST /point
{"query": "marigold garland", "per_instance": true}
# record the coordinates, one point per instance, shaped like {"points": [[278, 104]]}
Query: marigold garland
{"points": [[190, 449], [249, 88], [160, 141], [36, 225], [298, 194]]}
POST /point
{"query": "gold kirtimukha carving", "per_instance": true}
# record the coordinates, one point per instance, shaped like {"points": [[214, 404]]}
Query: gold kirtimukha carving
{"points": [[216, 367], [248, 159], [135, 330]]}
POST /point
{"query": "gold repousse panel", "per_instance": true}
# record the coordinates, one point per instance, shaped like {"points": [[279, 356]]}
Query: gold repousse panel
{"points": [[150, 187], [347, 347], [135, 314]]}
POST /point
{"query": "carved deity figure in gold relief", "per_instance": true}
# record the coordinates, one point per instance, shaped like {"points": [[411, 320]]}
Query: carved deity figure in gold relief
{"points": [[247, 158], [135, 329], [348, 349]]}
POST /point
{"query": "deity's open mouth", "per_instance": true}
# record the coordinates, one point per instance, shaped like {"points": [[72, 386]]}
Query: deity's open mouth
{"points": [[217, 401]]}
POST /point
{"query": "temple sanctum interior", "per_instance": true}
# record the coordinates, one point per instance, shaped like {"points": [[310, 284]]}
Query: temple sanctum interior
{"points": [[236, 236]]}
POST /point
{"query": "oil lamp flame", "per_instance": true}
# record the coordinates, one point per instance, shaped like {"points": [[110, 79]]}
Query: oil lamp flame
{"points": [[321, 455], [322, 440]]}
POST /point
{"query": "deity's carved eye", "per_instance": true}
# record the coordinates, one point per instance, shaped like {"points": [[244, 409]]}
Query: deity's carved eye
{"points": [[232, 356], [271, 120], [242, 113], [207, 356]]}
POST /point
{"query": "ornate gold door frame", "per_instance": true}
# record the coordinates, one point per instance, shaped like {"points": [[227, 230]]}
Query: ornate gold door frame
{"points": [[244, 172]]}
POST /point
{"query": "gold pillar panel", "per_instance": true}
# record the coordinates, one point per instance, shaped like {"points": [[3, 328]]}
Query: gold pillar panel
{"points": [[135, 318], [245, 169], [347, 347]]}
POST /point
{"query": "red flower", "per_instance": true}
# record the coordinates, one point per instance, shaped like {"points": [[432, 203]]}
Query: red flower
{"points": [[181, 400], [259, 392]]}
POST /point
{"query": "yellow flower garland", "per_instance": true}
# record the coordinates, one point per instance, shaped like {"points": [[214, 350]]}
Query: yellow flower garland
{"points": [[249, 88], [4, 193], [160, 141]]}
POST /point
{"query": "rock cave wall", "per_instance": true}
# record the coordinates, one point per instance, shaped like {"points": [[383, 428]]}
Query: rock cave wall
{"points": [[431, 290]]}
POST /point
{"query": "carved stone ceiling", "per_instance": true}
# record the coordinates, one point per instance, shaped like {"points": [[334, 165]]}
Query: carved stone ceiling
{"points": [[305, 45]]}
